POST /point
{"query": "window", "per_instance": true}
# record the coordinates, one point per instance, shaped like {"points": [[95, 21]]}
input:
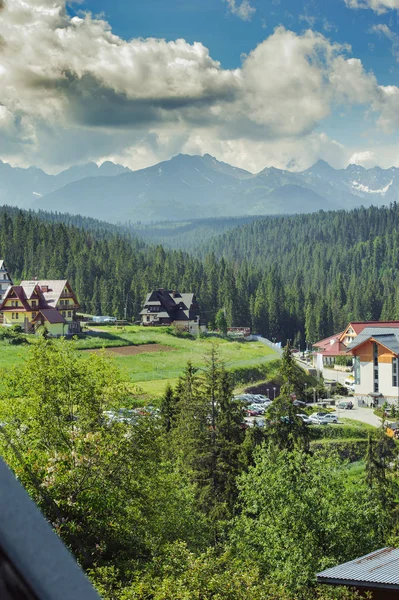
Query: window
{"points": [[69, 313], [33, 315], [375, 354], [375, 361], [395, 370], [356, 368], [34, 303], [13, 316]]}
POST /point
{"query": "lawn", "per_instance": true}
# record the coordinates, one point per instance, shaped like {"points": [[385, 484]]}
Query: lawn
{"points": [[152, 356], [169, 354]]}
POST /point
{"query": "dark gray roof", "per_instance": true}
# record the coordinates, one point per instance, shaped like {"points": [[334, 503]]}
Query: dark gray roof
{"points": [[175, 305], [387, 336], [378, 569]]}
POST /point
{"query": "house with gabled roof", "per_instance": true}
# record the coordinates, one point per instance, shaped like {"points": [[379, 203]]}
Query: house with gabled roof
{"points": [[5, 279], [170, 307], [376, 364], [35, 305], [328, 349], [59, 294]]}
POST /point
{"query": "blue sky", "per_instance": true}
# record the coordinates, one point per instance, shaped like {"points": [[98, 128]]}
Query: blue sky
{"points": [[228, 37], [254, 82]]}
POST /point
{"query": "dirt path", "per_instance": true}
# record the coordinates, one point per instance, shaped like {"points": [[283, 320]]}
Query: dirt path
{"points": [[132, 350]]}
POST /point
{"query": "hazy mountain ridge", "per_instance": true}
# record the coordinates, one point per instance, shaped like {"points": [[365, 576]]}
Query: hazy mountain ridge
{"points": [[22, 187], [195, 187]]}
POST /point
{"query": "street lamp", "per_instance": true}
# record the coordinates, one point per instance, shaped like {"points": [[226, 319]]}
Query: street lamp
{"points": [[274, 396], [314, 395]]}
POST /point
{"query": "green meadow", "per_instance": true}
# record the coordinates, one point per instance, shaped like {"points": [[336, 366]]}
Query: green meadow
{"points": [[152, 356]]}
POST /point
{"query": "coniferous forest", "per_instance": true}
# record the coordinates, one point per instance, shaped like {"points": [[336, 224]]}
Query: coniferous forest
{"points": [[297, 277]]}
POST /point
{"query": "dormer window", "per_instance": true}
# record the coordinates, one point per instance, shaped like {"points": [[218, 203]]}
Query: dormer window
{"points": [[34, 303]]}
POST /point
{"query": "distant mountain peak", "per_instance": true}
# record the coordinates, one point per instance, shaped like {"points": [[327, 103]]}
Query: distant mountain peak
{"points": [[320, 166]]}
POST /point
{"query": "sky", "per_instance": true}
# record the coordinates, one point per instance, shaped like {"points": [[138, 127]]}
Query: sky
{"points": [[255, 83]]}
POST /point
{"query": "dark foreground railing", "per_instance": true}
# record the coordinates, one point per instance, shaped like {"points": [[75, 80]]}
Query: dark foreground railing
{"points": [[34, 563]]}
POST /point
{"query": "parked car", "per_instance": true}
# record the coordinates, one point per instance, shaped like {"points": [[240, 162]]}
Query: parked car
{"points": [[318, 415], [329, 419], [305, 418], [299, 403], [324, 420], [251, 412], [317, 418], [345, 404], [257, 409]]}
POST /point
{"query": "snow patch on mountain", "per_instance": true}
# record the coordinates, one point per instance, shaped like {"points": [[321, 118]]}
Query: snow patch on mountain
{"points": [[360, 187]]}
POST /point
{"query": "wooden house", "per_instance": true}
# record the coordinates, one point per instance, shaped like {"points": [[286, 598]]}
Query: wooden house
{"points": [[170, 307], [35, 305]]}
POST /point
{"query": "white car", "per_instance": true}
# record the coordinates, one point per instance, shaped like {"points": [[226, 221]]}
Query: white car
{"points": [[305, 418], [325, 419]]}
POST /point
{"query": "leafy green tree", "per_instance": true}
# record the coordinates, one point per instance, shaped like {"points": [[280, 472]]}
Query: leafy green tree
{"points": [[299, 514], [104, 485]]}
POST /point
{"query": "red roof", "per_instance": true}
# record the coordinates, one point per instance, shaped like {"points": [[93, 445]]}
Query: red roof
{"points": [[358, 326], [337, 348], [324, 344]]}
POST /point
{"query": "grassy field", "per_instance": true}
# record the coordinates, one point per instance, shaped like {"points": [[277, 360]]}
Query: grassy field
{"points": [[150, 357]]}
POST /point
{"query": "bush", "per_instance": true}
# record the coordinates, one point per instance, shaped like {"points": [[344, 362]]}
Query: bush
{"points": [[254, 373], [352, 450], [340, 432], [13, 335]]}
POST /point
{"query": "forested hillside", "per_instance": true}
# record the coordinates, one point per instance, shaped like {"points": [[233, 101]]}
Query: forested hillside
{"points": [[335, 266], [296, 277]]}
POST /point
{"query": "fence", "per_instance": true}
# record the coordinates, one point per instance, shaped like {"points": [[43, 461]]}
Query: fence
{"points": [[267, 342]]}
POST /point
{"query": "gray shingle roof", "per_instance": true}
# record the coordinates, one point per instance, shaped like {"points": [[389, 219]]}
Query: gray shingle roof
{"points": [[387, 336], [378, 569]]}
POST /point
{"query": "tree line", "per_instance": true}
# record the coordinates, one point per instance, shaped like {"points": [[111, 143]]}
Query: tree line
{"points": [[299, 277]]}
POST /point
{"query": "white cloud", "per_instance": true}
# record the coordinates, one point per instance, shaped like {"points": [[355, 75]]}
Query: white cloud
{"points": [[379, 6], [384, 30], [71, 90], [365, 159], [244, 10]]}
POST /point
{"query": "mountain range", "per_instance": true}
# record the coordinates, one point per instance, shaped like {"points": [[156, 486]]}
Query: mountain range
{"points": [[188, 187]]}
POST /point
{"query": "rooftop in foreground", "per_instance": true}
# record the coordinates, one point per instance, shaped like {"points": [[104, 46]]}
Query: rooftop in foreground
{"points": [[378, 570]]}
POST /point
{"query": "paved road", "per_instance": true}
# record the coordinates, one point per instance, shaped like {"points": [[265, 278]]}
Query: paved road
{"points": [[365, 415], [333, 375]]}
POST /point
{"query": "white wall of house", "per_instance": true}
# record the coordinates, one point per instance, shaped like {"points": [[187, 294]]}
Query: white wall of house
{"points": [[385, 381], [385, 387], [366, 379]]}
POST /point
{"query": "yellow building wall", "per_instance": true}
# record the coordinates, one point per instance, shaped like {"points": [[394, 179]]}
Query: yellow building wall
{"points": [[54, 328], [8, 320]]}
